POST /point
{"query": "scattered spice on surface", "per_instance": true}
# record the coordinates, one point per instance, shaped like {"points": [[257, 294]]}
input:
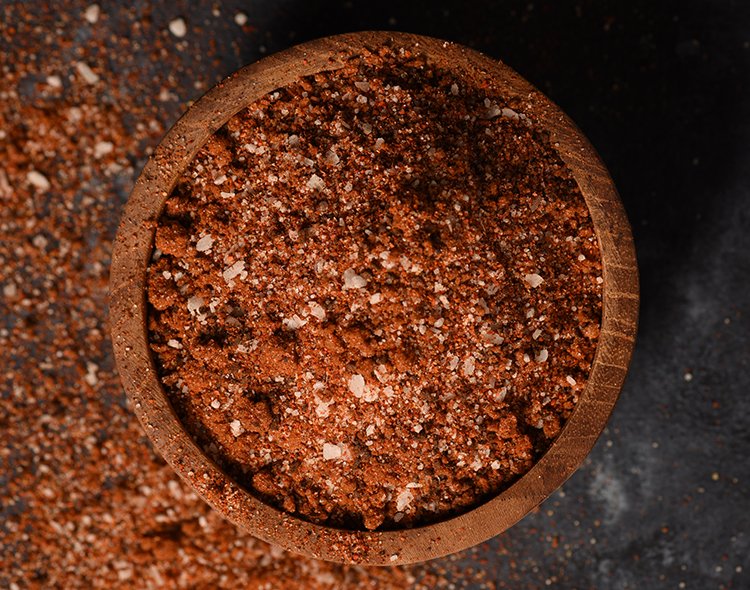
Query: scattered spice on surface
{"points": [[388, 282]]}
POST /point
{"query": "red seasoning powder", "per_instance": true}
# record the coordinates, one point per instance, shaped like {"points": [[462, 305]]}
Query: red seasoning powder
{"points": [[375, 295]]}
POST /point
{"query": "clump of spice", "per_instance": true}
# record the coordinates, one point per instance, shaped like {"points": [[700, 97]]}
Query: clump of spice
{"points": [[375, 294]]}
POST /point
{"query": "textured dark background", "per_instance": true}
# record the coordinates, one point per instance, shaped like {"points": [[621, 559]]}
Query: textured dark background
{"points": [[660, 88]]}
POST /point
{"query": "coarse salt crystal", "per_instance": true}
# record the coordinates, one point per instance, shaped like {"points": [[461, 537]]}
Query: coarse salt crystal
{"points": [[495, 465], [357, 385], [90, 377], [321, 409], [534, 280], [370, 430], [364, 86], [376, 298], [215, 404], [542, 356], [536, 334], [236, 427], [178, 27], [331, 451], [88, 75], [54, 81], [233, 271], [570, 380], [316, 310], [468, 366], [293, 323], [172, 343], [103, 148], [91, 14], [240, 19], [510, 114], [379, 143], [332, 158], [316, 183], [221, 179], [352, 280], [404, 499], [454, 89], [453, 364], [194, 304], [348, 187], [205, 243], [581, 257], [38, 180]]}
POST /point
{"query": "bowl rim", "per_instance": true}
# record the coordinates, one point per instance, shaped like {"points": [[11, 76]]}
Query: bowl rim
{"points": [[128, 309]]}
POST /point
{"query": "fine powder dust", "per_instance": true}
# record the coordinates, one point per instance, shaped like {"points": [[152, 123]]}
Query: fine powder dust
{"points": [[375, 295]]}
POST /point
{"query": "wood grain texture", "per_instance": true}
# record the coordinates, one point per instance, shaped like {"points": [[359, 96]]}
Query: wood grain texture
{"points": [[133, 250]]}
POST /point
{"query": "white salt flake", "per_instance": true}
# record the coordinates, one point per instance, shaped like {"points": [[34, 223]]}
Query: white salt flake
{"points": [[293, 323], [495, 465], [194, 304], [103, 148], [570, 380], [234, 271], [542, 356], [492, 111], [91, 14], [357, 385], [316, 310], [379, 142], [236, 427], [54, 81], [38, 180], [370, 430], [240, 19], [510, 114], [91, 377], [376, 298], [316, 183], [321, 409], [348, 187], [468, 366], [453, 364], [454, 89], [220, 179], [332, 158], [172, 343], [534, 280], [215, 404], [88, 75], [404, 499], [178, 27], [363, 85], [536, 334], [352, 280], [205, 243], [331, 451]]}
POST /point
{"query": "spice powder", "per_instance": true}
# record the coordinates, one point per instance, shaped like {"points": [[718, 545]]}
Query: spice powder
{"points": [[375, 294]]}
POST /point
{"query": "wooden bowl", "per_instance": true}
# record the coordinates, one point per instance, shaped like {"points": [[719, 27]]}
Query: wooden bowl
{"points": [[132, 252]]}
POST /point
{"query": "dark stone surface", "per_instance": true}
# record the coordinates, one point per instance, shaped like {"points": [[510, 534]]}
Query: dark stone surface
{"points": [[659, 88]]}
